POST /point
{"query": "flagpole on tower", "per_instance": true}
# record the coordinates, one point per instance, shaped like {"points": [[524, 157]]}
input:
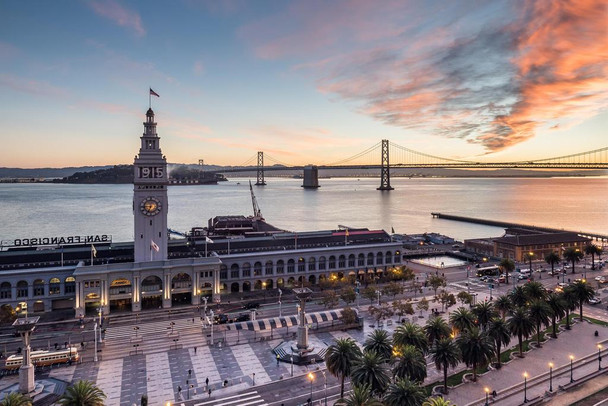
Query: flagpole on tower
{"points": [[150, 98]]}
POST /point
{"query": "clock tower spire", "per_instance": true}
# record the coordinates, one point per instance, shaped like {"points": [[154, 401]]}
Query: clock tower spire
{"points": [[150, 203]]}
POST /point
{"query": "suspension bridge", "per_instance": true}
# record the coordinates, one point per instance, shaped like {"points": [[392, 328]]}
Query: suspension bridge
{"points": [[385, 155]]}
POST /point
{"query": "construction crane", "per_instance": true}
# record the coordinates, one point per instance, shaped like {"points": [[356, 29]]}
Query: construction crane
{"points": [[257, 213]]}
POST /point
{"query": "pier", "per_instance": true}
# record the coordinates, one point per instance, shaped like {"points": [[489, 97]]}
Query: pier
{"points": [[506, 224]]}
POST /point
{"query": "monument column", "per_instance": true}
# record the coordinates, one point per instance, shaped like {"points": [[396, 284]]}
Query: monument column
{"points": [[136, 294], [25, 328], [167, 292]]}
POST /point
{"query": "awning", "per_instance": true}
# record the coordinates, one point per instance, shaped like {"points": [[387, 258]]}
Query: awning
{"points": [[287, 321]]}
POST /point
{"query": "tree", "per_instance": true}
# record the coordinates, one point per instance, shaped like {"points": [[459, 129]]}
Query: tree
{"points": [[410, 364], [379, 342], [570, 302], [521, 326], [340, 358], [348, 295], [372, 370], [361, 395], [583, 292], [445, 354], [503, 305], [436, 328], [446, 299], [392, 289], [462, 319], [464, 297], [422, 305], [83, 393], [552, 258], [476, 349], [573, 255], [330, 299], [404, 393], [539, 312], [16, 399], [402, 308], [410, 334], [534, 290], [518, 296], [498, 331], [507, 266], [592, 249], [439, 401], [558, 309], [369, 293], [436, 282], [349, 316], [380, 313], [484, 311], [7, 314]]}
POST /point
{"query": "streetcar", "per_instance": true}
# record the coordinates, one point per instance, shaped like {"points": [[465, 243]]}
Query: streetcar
{"points": [[44, 358]]}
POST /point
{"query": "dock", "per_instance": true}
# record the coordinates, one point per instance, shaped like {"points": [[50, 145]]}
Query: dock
{"points": [[506, 224]]}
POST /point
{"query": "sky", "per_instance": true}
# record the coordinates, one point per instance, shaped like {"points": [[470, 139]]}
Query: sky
{"points": [[304, 81]]}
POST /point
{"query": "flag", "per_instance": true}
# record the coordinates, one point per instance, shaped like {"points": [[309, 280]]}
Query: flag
{"points": [[393, 230], [153, 93], [346, 233], [152, 243], [207, 239], [94, 251]]}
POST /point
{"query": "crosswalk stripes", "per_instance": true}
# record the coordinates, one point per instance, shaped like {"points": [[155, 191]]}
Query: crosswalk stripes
{"points": [[244, 399], [128, 331]]}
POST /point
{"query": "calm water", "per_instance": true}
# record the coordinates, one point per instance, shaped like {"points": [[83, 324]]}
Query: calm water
{"points": [[441, 261], [45, 210]]}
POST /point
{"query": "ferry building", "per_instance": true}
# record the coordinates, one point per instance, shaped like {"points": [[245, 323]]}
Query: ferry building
{"points": [[156, 272]]}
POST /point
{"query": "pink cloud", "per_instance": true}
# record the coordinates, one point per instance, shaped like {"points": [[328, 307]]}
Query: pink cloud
{"points": [[32, 86], [198, 68], [120, 15]]}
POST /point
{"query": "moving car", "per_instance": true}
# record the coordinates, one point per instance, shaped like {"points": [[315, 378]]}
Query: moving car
{"points": [[595, 300], [252, 305]]}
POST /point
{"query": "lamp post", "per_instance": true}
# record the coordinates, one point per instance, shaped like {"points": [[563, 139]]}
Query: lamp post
{"points": [[135, 328], [205, 302], [378, 293], [571, 370], [264, 288], [95, 334], [357, 287], [487, 390], [530, 255], [280, 310], [211, 321], [325, 386], [291, 357], [599, 357], [311, 376], [525, 387], [550, 376]]}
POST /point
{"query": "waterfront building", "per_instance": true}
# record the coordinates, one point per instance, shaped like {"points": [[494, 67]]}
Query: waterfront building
{"points": [[155, 272]]}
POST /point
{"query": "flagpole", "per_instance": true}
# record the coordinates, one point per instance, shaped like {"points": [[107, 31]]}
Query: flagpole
{"points": [[149, 98], [62, 255], [91, 255], [150, 251], [205, 247]]}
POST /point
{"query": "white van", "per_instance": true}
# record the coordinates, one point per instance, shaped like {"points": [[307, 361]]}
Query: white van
{"points": [[524, 273]]}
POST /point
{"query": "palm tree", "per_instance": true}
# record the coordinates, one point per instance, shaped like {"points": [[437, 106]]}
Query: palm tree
{"points": [[520, 325], [476, 349], [445, 354], [361, 395], [535, 290], [503, 305], [462, 319], [573, 255], [507, 265], [552, 258], [592, 249], [539, 312], [570, 302], [372, 370], [380, 342], [436, 328], [16, 399], [484, 311], [558, 308], [498, 330], [439, 401], [83, 393], [411, 334], [583, 292], [518, 296], [340, 357], [410, 364], [404, 393]]}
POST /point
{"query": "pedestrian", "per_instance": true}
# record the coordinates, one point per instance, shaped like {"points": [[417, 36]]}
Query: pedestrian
{"points": [[277, 360], [194, 350], [209, 392], [207, 381], [193, 320]]}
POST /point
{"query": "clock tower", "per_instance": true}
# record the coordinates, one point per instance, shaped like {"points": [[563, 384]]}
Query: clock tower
{"points": [[150, 203]]}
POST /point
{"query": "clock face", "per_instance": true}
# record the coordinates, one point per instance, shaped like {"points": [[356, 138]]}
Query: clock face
{"points": [[150, 206]]}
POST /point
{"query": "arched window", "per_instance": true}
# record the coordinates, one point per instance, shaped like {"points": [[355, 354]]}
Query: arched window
{"points": [[246, 270], [291, 266], [257, 269], [280, 266], [311, 264], [6, 290], [332, 262], [351, 260], [322, 264], [301, 265], [341, 261], [38, 287], [54, 286], [388, 257], [370, 259], [268, 268], [379, 258], [235, 272], [223, 272], [22, 289], [361, 260], [70, 285], [397, 259]]}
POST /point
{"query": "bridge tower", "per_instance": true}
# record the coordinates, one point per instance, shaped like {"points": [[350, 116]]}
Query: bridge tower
{"points": [[385, 175], [260, 181]]}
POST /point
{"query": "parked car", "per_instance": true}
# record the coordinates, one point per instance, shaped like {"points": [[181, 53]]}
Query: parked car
{"points": [[599, 277], [220, 319], [242, 317], [252, 305], [502, 279], [595, 300]]}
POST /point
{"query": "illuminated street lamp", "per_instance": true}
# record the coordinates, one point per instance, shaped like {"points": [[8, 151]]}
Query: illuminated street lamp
{"points": [[525, 387], [550, 376], [571, 370], [311, 376], [325, 385], [599, 357], [487, 393]]}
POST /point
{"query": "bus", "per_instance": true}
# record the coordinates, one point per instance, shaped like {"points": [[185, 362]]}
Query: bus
{"points": [[493, 270], [44, 358]]}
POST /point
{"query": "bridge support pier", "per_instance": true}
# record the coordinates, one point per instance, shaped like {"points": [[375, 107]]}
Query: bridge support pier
{"points": [[260, 177], [311, 177], [385, 175]]}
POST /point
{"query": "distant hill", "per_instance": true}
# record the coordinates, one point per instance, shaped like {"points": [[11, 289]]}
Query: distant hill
{"points": [[47, 172]]}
